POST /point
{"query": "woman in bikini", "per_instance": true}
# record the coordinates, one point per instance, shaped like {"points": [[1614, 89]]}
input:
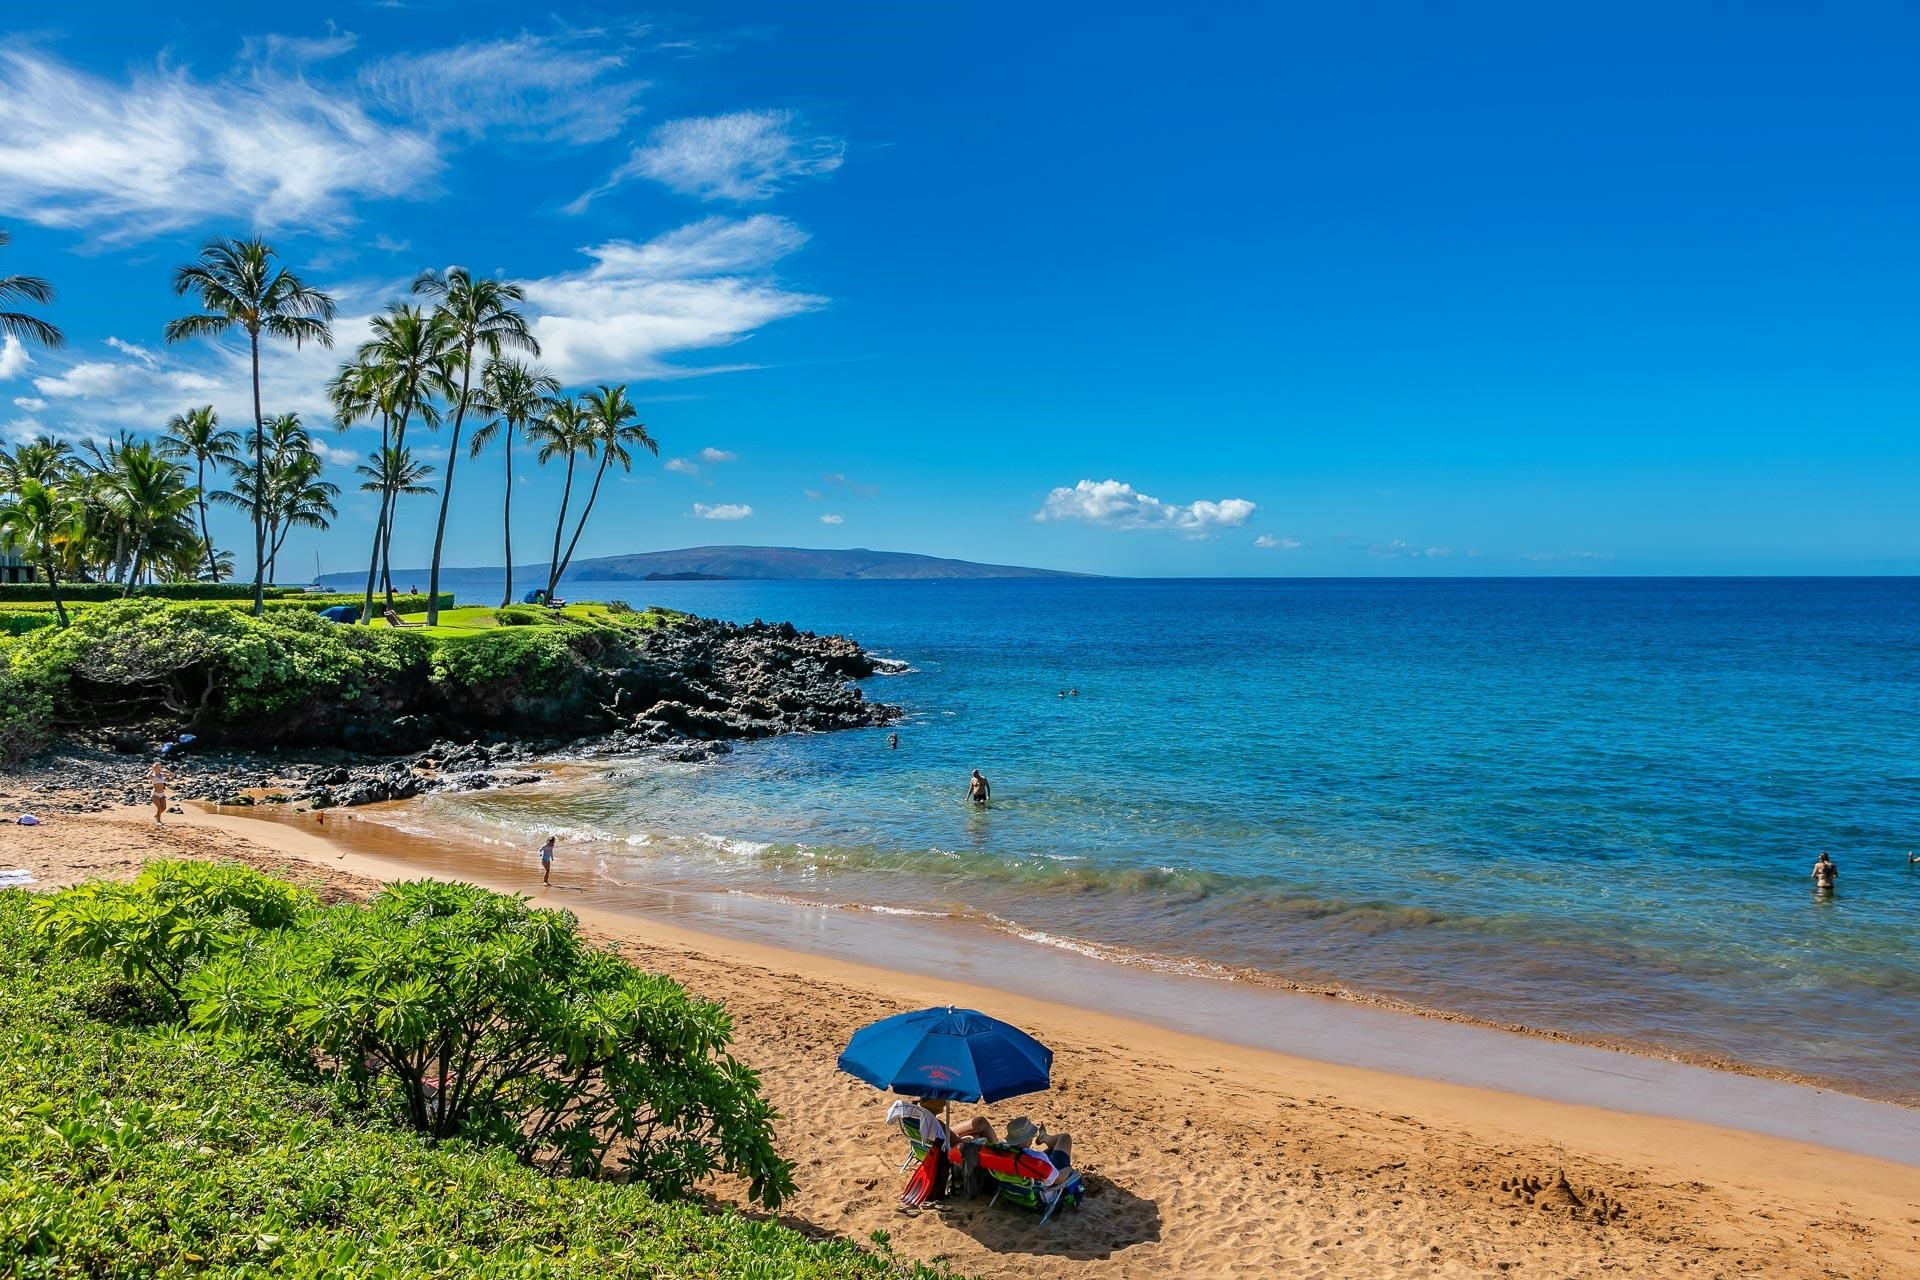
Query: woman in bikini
{"points": [[157, 779]]}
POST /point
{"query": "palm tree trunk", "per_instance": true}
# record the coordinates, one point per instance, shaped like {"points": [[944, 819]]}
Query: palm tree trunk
{"points": [[506, 513], [213, 568], [559, 528], [373, 560], [53, 586], [584, 513], [133, 566], [446, 492], [259, 479]]}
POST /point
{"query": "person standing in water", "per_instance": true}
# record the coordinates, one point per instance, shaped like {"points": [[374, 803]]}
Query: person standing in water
{"points": [[546, 862], [893, 742], [157, 779], [1826, 874], [979, 790]]}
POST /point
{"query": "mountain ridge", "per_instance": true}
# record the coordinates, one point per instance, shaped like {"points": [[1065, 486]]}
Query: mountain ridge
{"points": [[746, 563]]}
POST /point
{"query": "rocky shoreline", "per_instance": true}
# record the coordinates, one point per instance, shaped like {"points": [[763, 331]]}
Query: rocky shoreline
{"points": [[699, 685]]}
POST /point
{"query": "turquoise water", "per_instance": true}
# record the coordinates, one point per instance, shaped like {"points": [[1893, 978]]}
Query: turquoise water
{"points": [[1589, 806]]}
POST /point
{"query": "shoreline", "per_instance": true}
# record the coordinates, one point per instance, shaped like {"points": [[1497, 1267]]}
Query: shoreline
{"points": [[1209, 1158], [754, 913]]}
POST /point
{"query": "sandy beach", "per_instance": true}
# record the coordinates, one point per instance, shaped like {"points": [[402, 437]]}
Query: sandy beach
{"points": [[1203, 1158]]}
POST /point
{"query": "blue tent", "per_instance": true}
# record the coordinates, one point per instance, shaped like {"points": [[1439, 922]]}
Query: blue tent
{"points": [[958, 1054], [342, 613]]}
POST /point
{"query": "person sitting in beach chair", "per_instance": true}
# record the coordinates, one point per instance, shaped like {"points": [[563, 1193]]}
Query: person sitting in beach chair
{"points": [[920, 1122], [1032, 1168], [393, 619]]}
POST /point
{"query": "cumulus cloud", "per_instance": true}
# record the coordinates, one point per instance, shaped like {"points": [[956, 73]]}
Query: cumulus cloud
{"points": [[831, 518], [1267, 542], [32, 404], [680, 467], [699, 287], [722, 511], [13, 357], [529, 88], [166, 150], [715, 456], [1116, 505], [744, 156]]}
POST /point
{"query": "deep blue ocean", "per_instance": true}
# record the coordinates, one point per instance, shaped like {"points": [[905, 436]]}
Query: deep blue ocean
{"points": [[1589, 806]]}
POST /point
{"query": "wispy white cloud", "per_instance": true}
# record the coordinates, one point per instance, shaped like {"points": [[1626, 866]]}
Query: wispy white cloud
{"points": [[715, 456], [529, 88], [744, 156], [681, 467], [1554, 557], [1399, 549], [13, 357], [1117, 505], [697, 288], [1267, 542], [838, 481], [166, 150], [32, 404], [832, 518], [722, 511]]}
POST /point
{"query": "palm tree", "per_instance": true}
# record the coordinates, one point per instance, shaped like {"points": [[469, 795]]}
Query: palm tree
{"points": [[149, 495], [516, 396], [610, 422], [40, 518], [42, 458], [239, 286], [562, 432], [393, 474], [18, 324], [476, 316], [399, 373], [293, 491], [197, 434]]}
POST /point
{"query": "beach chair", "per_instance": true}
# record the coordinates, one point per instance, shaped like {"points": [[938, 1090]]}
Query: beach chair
{"points": [[1020, 1180], [912, 1124]]}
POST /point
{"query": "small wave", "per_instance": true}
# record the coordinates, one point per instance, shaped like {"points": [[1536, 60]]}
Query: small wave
{"points": [[893, 667], [882, 910], [730, 844]]}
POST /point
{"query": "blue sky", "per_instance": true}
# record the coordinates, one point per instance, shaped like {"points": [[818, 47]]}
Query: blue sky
{"points": [[1375, 289]]}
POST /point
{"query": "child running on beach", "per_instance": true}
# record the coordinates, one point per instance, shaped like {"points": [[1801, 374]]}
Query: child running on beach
{"points": [[546, 862]]}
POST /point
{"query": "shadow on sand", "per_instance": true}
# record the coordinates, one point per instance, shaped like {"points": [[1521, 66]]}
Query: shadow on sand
{"points": [[1110, 1219]]}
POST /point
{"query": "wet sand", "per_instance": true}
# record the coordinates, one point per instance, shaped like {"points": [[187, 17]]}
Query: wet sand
{"points": [[1206, 1156]]}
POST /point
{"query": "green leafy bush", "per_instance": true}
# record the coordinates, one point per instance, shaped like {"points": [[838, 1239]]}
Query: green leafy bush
{"points": [[130, 1151], [524, 615], [164, 925], [496, 1022], [17, 622], [96, 591], [26, 713]]}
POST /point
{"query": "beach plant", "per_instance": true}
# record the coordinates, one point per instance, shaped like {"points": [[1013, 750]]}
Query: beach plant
{"points": [[20, 325], [612, 426], [495, 1022], [136, 1149], [516, 395], [240, 285], [160, 928], [476, 317], [197, 434]]}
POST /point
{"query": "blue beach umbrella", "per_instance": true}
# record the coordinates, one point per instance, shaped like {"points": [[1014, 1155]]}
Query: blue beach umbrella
{"points": [[957, 1054]]}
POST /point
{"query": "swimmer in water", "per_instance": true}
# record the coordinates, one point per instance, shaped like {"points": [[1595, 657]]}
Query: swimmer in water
{"points": [[1825, 874], [893, 742], [979, 790]]}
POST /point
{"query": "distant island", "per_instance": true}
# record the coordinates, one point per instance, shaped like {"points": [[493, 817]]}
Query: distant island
{"points": [[712, 564]]}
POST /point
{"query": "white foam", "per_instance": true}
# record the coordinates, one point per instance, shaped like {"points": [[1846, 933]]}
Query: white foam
{"points": [[15, 878], [729, 844]]}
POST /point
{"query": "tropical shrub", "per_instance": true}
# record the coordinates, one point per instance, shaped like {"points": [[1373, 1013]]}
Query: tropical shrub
{"points": [[94, 591], [135, 1151], [496, 1022], [524, 615], [17, 622], [26, 713], [159, 929]]}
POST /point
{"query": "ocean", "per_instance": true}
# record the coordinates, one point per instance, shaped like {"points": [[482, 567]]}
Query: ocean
{"points": [[1582, 806]]}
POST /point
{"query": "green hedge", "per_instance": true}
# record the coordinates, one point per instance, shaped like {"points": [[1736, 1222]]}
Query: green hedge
{"points": [[315, 601], [17, 622], [136, 1150], [70, 592]]}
